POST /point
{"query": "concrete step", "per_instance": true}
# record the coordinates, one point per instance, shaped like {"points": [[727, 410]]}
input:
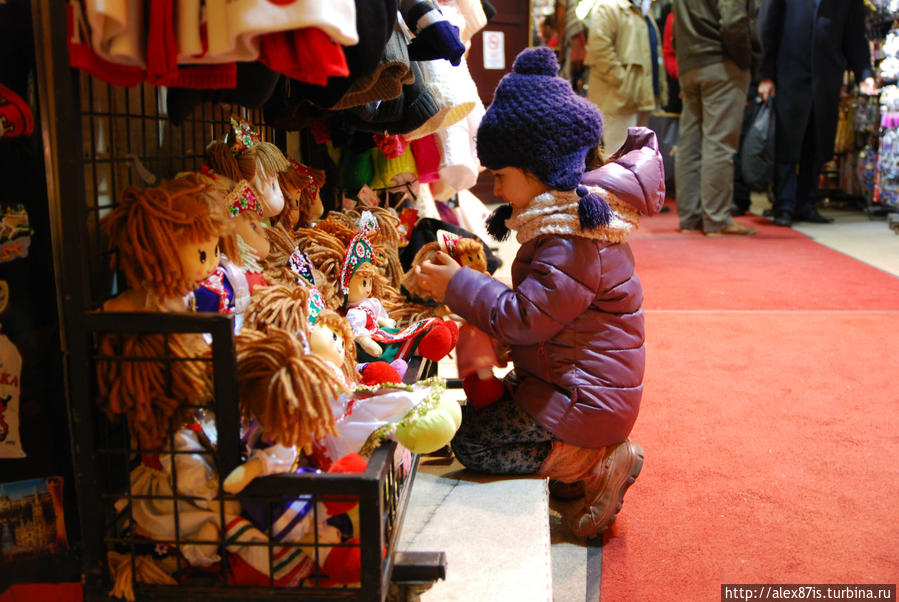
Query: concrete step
{"points": [[494, 531]]}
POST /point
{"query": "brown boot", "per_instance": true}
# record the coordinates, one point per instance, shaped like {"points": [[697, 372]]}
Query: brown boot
{"points": [[606, 474]]}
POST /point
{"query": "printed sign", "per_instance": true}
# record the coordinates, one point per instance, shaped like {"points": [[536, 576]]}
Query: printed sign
{"points": [[494, 50]]}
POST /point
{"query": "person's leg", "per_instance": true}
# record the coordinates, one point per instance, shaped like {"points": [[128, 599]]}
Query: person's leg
{"points": [[723, 88], [789, 194], [784, 190], [614, 130], [688, 160], [807, 179], [501, 439]]}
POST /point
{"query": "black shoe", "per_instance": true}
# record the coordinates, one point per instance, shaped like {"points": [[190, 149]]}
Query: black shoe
{"points": [[783, 218], [814, 217]]}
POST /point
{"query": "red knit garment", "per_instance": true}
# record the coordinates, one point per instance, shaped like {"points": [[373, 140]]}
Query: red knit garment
{"points": [[427, 158], [306, 55]]}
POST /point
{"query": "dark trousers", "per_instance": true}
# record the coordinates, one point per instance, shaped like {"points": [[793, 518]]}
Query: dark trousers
{"points": [[795, 190]]}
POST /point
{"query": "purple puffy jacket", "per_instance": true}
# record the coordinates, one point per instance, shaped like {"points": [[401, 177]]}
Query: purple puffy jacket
{"points": [[574, 319]]}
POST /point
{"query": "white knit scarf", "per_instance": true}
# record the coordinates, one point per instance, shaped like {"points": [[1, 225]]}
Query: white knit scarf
{"points": [[555, 212]]}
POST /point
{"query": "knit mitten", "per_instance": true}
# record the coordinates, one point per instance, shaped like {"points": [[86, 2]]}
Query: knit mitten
{"points": [[482, 392], [435, 37]]}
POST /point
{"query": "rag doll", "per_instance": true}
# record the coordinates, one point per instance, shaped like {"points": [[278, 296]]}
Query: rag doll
{"points": [[385, 240], [243, 155], [476, 353], [166, 240], [249, 243], [228, 288], [158, 399], [284, 393], [375, 332], [379, 404], [301, 186], [290, 262]]}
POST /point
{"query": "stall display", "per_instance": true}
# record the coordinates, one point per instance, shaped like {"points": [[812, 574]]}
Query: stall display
{"points": [[202, 255]]}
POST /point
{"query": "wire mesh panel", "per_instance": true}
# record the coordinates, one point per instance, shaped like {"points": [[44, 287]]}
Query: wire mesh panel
{"points": [[169, 528], [128, 139]]}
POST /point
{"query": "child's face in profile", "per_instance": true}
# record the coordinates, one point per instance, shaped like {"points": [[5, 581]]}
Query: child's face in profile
{"points": [[517, 186]]}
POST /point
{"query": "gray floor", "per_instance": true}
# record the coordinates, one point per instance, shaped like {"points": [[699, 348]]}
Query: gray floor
{"points": [[576, 564]]}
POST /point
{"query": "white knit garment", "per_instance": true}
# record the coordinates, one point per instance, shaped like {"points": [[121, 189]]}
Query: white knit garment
{"points": [[454, 92], [234, 26], [459, 165], [117, 30], [467, 15], [555, 212]]}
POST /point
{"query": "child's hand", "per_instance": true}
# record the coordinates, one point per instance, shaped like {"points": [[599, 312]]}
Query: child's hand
{"points": [[434, 276]]}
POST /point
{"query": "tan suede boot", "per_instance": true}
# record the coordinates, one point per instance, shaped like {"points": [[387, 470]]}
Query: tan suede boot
{"points": [[606, 474]]}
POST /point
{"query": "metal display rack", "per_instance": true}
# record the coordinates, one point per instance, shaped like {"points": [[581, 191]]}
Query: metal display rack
{"points": [[98, 138]]}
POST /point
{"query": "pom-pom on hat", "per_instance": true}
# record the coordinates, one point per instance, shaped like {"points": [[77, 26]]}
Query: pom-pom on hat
{"points": [[537, 123]]}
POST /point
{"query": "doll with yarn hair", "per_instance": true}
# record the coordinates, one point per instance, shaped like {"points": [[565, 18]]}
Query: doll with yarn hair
{"points": [[376, 334], [386, 240], [248, 245], [284, 393], [301, 186], [153, 395], [243, 155], [228, 288], [476, 352], [286, 264], [167, 241]]}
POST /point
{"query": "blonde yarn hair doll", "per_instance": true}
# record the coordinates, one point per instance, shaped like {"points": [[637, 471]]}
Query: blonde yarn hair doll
{"points": [[243, 155], [284, 399]]}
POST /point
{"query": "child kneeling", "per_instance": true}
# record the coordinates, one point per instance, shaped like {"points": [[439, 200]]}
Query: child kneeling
{"points": [[573, 319]]}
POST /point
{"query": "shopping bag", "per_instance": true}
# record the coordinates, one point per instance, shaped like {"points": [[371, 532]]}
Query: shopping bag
{"points": [[757, 150], [665, 125]]}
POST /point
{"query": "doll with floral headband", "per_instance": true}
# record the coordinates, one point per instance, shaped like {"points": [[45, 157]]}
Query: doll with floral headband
{"points": [[375, 332], [228, 288], [249, 244], [243, 155], [167, 240]]}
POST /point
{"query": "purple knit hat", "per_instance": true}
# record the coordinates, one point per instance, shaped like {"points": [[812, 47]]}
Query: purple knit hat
{"points": [[537, 123]]}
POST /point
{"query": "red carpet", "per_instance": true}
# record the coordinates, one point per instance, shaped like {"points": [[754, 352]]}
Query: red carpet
{"points": [[771, 436], [778, 268]]}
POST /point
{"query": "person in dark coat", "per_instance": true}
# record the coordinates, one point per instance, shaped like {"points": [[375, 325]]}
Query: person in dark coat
{"points": [[807, 45]]}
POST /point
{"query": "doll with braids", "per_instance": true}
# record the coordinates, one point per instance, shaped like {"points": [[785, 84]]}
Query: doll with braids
{"points": [[301, 186], [243, 155], [166, 240]]}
